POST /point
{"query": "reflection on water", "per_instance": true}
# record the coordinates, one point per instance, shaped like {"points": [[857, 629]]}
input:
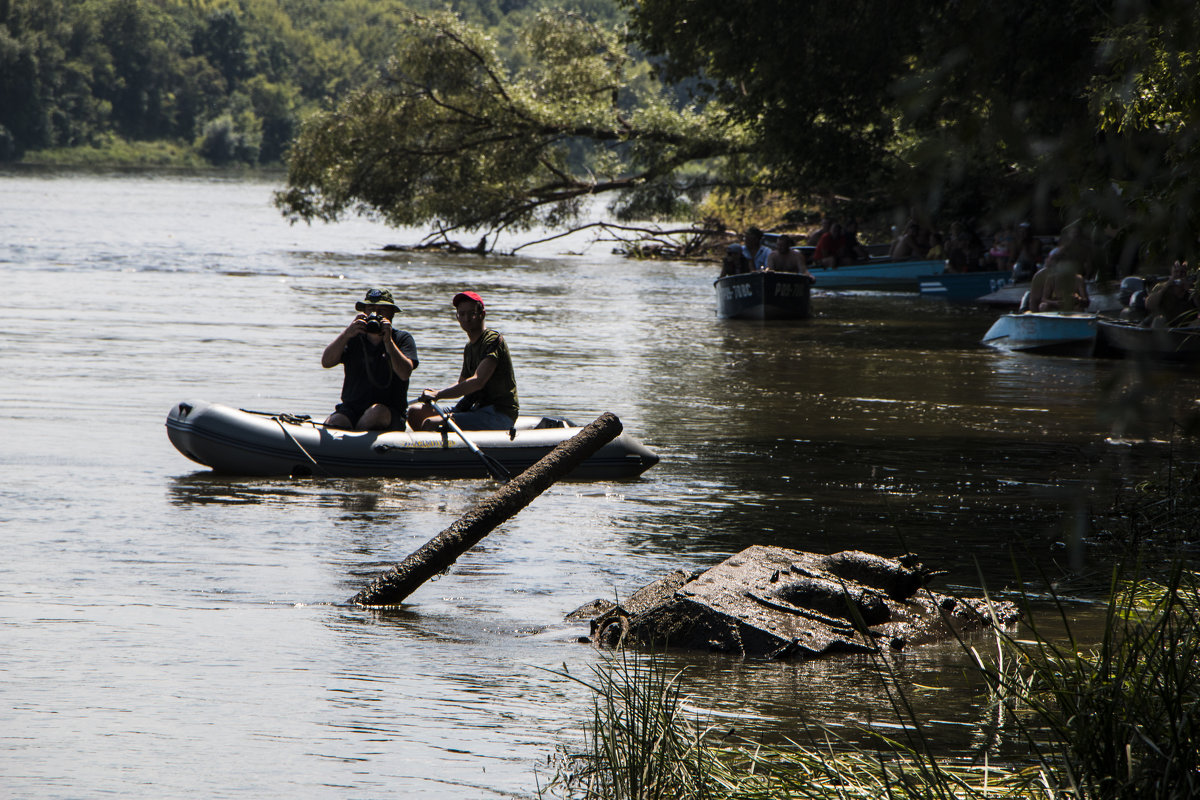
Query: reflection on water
{"points": [[185, 635]]}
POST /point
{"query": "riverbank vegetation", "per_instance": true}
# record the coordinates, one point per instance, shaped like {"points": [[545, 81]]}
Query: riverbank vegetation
{"points": [[504, 114], [187, 82], [1119, 719], [973, 111], [1068, 719]]}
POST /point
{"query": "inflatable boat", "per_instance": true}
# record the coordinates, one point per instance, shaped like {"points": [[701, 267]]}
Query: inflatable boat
{"points": [[242, 442]]}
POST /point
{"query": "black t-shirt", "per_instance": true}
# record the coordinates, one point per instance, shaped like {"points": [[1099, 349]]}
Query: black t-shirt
{"points": [[369, 378]]}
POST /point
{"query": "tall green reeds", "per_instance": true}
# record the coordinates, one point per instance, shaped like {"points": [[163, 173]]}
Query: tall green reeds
{"points": [[642, 744], [639, 744], [1117, 719]]}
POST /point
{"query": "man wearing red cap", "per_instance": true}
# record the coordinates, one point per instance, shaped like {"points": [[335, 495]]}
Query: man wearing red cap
{"points": [[486, 383]]}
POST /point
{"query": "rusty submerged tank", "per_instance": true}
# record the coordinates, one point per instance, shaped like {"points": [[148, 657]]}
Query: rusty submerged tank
{"points": [[778, 603]]}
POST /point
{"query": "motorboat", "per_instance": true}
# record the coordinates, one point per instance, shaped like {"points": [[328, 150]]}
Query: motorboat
{"points": [[764, 294], [1045, 332], [1120, 338], [963, 287], [878, 274]]}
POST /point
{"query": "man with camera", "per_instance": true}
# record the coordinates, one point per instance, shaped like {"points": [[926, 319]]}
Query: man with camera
{"points": [[378, 361]]}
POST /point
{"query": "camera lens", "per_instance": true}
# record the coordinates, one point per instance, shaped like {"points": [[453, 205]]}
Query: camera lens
{"points": [[373, 325]]}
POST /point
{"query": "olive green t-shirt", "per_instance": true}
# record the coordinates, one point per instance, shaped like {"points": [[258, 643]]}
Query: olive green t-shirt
{"points": [[501, 389]]}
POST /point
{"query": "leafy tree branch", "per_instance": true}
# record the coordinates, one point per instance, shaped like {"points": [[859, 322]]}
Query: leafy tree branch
{"points": [[450, 136]]}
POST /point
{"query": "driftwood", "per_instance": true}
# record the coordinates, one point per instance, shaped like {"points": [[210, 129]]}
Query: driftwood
{"points": [[774, 602], [444, 549]]}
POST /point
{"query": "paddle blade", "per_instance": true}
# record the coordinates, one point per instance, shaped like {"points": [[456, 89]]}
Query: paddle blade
{"points": [[495, 468]]}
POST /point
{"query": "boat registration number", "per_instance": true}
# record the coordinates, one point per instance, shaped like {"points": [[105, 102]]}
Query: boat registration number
{"points": [[735, 292]]}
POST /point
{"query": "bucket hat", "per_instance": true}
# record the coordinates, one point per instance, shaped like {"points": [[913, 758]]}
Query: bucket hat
{"points": [[376, 297]]}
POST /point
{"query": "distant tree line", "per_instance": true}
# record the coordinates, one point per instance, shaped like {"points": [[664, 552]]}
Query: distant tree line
{"points": [[232, 78]]}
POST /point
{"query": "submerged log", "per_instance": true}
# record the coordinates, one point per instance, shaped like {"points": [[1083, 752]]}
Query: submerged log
{"points": [[444, 549], [775, 602]]}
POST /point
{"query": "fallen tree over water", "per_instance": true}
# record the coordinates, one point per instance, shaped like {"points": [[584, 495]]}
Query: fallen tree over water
{"points": [[440, 552]]}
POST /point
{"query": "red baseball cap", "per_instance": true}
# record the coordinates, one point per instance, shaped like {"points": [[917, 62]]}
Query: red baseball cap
{"points": [[467, 296]]}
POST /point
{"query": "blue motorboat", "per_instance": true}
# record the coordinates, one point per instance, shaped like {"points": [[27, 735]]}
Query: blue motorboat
{"points": [[879, 274], [1045, 332], [964, 287]]}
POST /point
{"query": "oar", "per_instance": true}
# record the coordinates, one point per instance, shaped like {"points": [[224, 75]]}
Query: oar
{"points": [[494, 467]]}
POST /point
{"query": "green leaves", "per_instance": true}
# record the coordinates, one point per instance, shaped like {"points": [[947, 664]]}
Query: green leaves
{"points": [[75, 73], [450, 135]]}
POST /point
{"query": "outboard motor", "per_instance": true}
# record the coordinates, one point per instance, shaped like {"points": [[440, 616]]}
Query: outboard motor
{"points": [[1132, 295], [1130, 286], [1136, 311]]}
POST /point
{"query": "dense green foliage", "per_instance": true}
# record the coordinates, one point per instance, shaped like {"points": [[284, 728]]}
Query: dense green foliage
{"points": [[978, 110], [971, 108], [232, 78], [453, 135]]}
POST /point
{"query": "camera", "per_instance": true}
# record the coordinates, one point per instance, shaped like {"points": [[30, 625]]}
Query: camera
{"points": [[374, 323]]}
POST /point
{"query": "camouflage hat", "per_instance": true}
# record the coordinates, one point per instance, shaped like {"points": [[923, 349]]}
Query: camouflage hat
{"points": [[376, 297]]}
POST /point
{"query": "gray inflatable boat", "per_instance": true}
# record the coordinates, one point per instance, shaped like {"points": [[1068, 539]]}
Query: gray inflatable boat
{"points": [[241, 442]]}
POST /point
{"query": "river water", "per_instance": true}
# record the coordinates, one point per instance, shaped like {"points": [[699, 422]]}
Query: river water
{"points": [[169, 633]]}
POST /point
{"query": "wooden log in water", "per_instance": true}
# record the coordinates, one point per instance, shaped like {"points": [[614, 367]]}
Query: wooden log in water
{"points": [[392, 587]]}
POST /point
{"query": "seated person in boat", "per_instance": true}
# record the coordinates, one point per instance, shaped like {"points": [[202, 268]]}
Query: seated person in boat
{"points": [[1175, 301], [486, 382], [1027, 253], [784, 259], [815, 237], [908, 244], [937, 247], [1059, 285], [833, 250], [734, 262], [964, 249], [377, 360], [754, 250], [1000, 254], [857, 251]]}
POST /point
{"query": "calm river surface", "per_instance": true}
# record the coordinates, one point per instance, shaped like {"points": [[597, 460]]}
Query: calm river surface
{"points": [[168, 633]]}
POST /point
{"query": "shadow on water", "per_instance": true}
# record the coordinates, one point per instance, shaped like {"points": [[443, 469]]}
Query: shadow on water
{"points": [[884, 425]]}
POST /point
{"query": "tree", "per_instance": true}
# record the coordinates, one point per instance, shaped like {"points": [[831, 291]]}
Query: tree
{"points": [[221, 39], [811, 79], [449, 135], [143, 42], [1144, 181], [971, 109]]}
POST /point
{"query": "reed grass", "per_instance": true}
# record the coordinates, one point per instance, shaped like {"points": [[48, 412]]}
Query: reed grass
{"points": [[1115, 720], [639, 742], [1119, 719]]}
